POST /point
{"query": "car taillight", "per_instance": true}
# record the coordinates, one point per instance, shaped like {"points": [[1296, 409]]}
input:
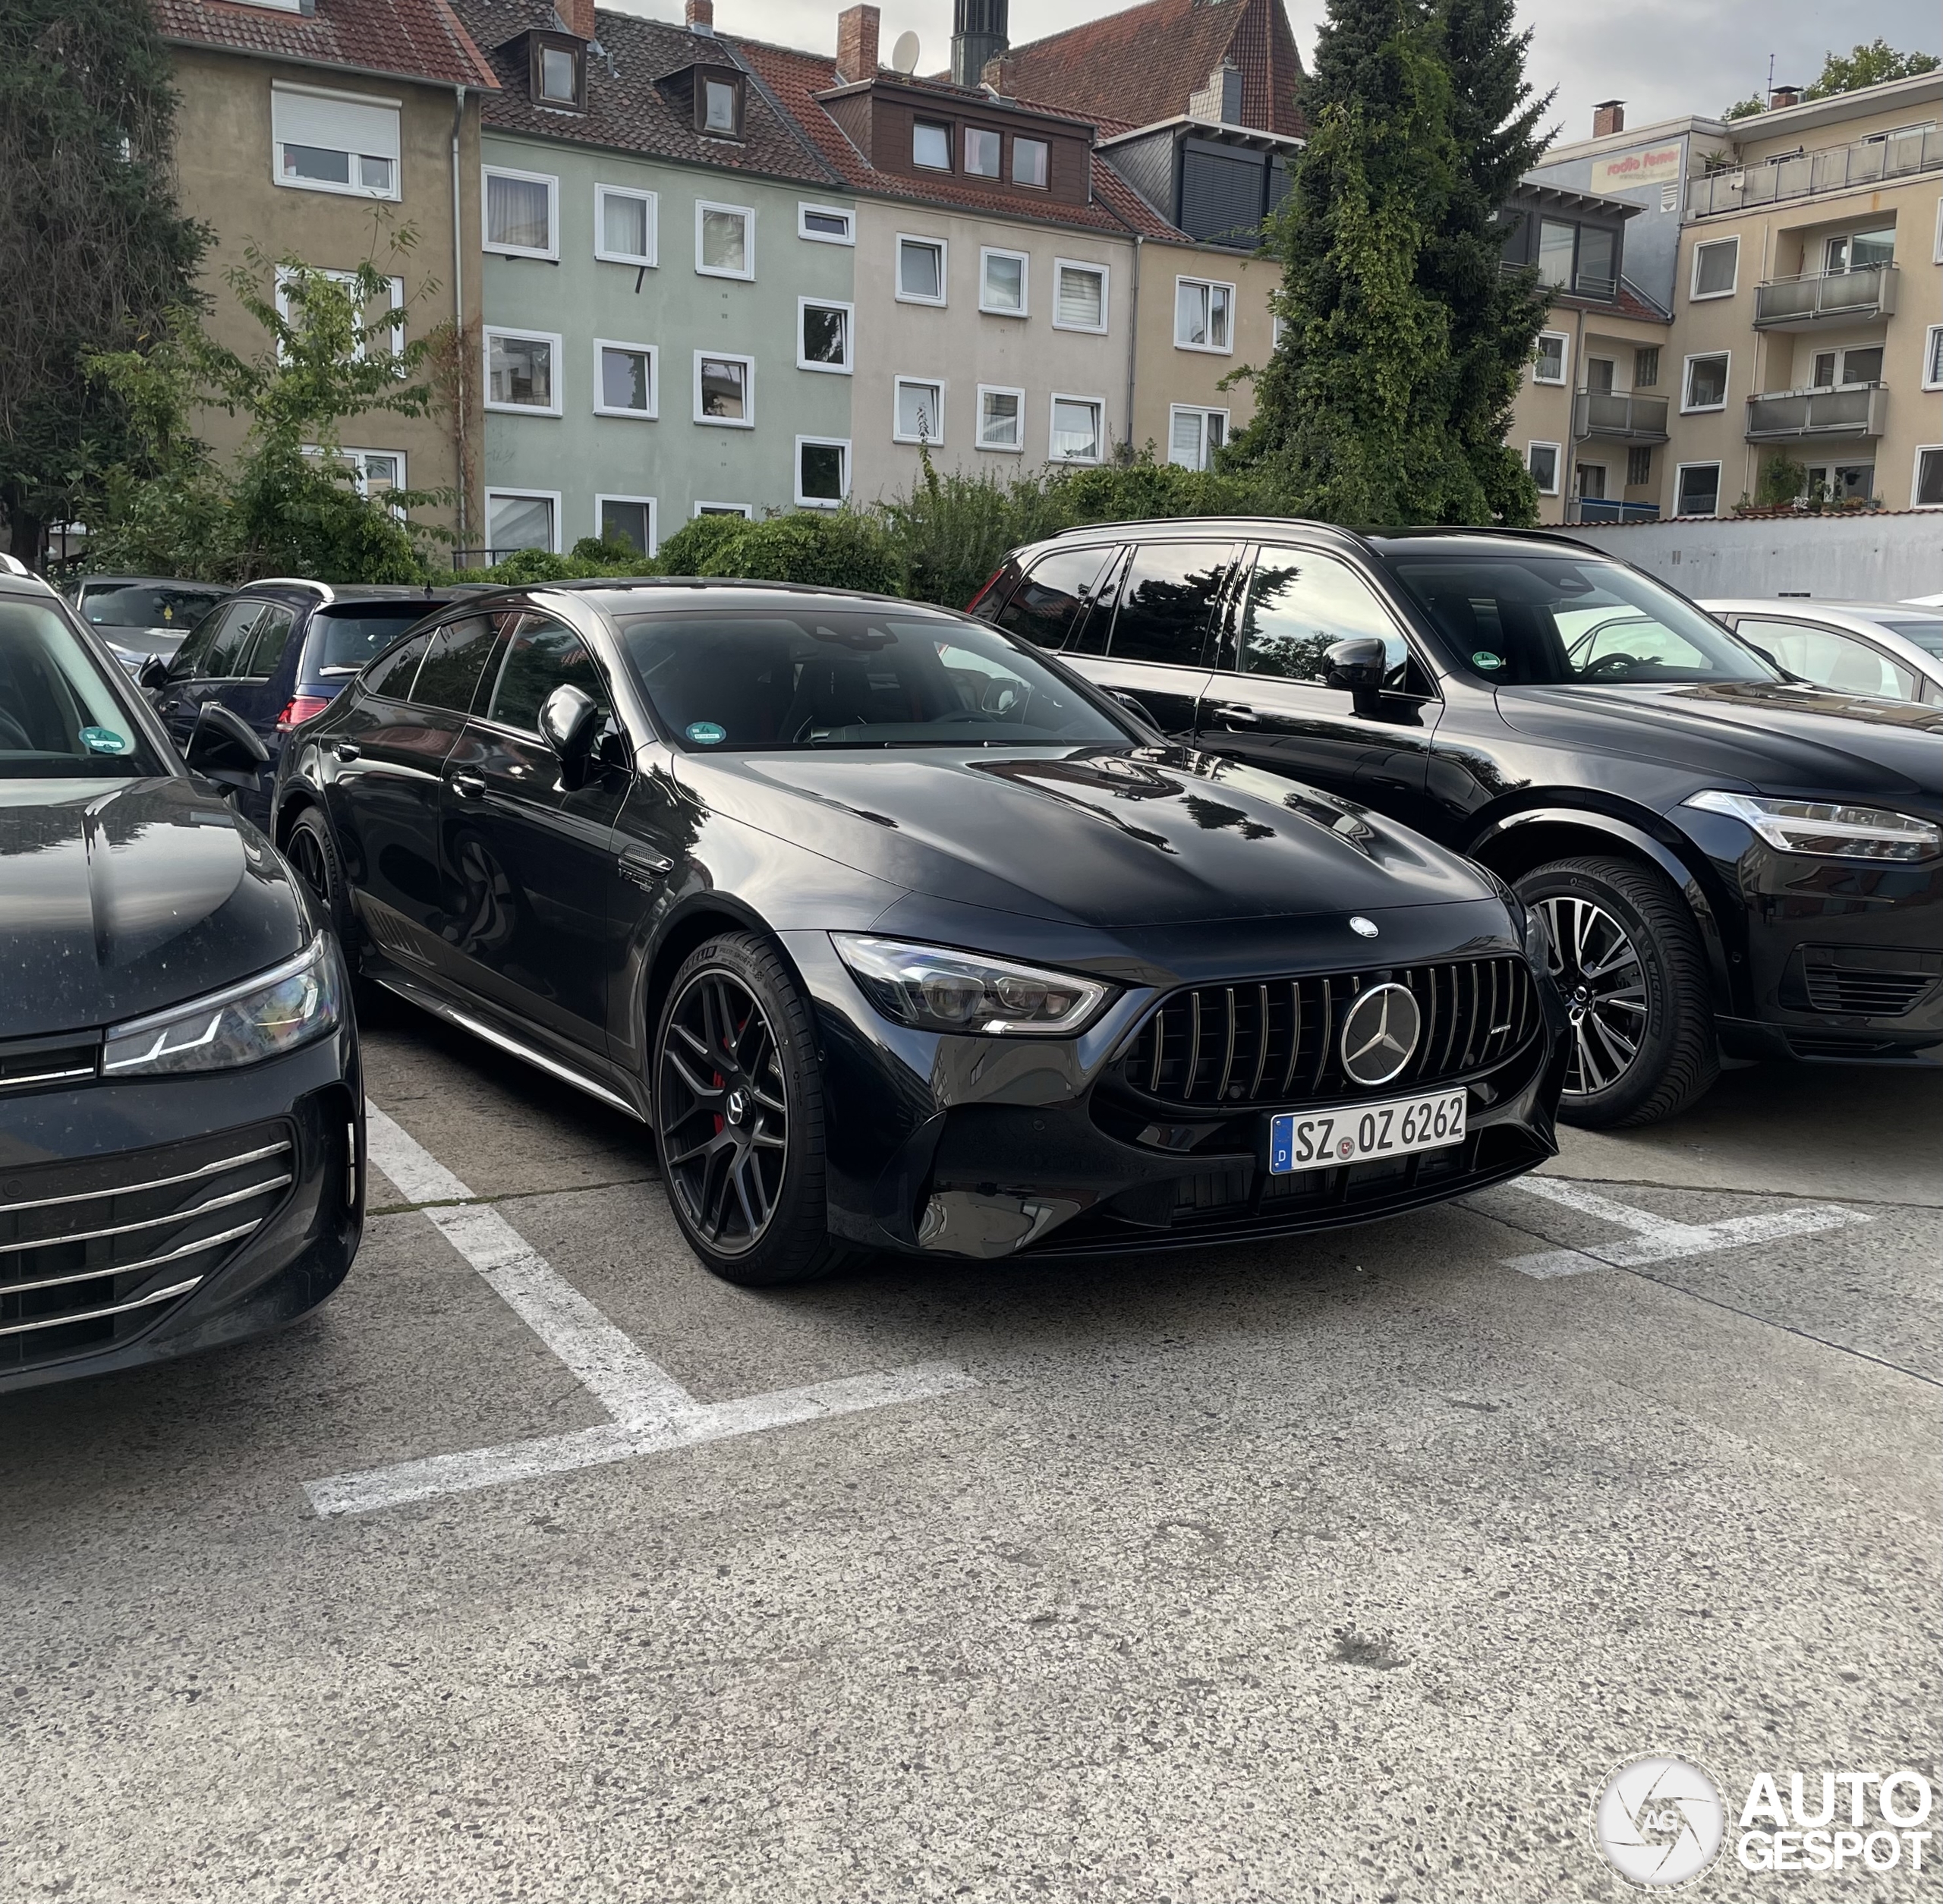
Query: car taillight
{"points": [[299, 709], [991, 581]]}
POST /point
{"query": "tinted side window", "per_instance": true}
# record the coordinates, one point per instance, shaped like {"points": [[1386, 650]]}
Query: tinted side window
{"points": [[452, 665], [391, 674], [545, 654], [267, 642], [1046, 607], [1165, 600], [1299, 605], [215, 647]]}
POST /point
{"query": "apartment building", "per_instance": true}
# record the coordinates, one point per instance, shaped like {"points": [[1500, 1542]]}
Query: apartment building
{"points": [[1800, 254]]}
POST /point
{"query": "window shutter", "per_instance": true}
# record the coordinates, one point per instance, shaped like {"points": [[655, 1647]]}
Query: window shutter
{"points": [[334, 124]]}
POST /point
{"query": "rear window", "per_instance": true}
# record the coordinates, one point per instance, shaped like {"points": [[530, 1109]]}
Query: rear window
{"points": [[342, 640], [167, 606]]}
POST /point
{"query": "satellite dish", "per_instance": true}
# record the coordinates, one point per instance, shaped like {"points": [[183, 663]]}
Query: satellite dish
{"points": [[904, 55]]}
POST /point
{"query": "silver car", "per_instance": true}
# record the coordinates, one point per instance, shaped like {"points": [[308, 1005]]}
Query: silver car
{"points": [[1892, 649]]}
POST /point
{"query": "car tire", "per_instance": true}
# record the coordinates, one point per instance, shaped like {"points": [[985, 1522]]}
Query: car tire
{"points": [[1627, 956], [312, 856], [738, 1114]]}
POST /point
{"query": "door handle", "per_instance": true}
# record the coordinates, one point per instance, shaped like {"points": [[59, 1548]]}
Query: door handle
{"points": [[468, 786], [346, 750], [1230, 714]]}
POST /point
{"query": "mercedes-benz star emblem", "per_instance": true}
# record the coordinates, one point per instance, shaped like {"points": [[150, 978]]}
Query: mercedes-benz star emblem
{"points": [[1379, 1034], [737, 1107], [1363, 928]]}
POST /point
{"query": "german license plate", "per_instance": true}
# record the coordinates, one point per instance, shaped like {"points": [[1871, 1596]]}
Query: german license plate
{"points": [[1357, 1133]]}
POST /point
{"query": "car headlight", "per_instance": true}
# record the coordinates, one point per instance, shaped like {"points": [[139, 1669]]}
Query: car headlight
{"points": [[263, 1017], [935, 989], [1826, 828]]}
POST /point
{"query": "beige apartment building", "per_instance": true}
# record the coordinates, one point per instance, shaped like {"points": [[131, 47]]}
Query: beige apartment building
{"points": [[1201, 313]]}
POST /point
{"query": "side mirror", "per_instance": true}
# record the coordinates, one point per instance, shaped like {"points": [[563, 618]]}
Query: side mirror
{"points": [[570, 718], [1359, 665], [224, 748], [153, 675]]}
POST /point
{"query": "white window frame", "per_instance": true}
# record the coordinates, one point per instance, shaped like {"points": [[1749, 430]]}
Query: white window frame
{"points": [[748, 214], [1012, 169], [1278, 324], [1564, 377], [704, 507], [1933, 358], [652, 200], [653, 516], [1557, 464], [1704, 463], [942, 249], [551, 250], [1105, 275], [1936, 250], [748, 364], [1915, 474], [1052, 427], [1687, 363], [1695, 295], [804, 208], [361, 479], [1000, 390], [486, 334], [921, 124], [848, 365], [1210, 285], [653, 412], [347, 278], [1204, 411], [796, 471], [396, 108], [1025, 259], [937, 437], [529, 496]]}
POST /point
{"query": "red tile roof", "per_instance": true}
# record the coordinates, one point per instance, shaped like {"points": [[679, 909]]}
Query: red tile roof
{"points": [[418, 39]]}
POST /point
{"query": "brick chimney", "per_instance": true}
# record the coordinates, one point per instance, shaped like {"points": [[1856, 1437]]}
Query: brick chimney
{"points": [[1783, 96], [856, 44], [576, 16], [701, 16], [1608, 117], [1002, 76]]}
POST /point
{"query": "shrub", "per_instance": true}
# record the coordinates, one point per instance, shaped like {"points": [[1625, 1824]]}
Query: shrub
{"points": [[1782, 479], [600, 554], [845, 549], [688, 549]]}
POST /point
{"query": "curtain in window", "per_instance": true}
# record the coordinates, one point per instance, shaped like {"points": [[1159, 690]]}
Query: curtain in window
{"points": [[516, 213]]}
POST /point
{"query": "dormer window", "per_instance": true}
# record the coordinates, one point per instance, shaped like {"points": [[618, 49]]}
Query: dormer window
{"points": [[981, 152], [558, 79], [714, 97], [557, 70], [930, 146], [721, 108]]}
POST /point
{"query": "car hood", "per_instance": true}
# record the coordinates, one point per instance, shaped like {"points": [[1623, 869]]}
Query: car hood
{"points": [[1774, 737], [1090, 836], [120, 898]]}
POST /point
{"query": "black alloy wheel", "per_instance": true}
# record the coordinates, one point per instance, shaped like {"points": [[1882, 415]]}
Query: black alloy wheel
{"points": [[1626, 956], [312, 856], [738, 1112]]}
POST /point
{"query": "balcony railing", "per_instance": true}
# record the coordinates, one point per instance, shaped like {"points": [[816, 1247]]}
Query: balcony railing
{"points": [[1596, 508], [1826, 297], [1576, 284], [1807, 175], [1855, 412], [1615, 413]]}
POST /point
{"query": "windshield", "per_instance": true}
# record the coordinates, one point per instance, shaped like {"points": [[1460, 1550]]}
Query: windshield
{"points": [[60, 716], [343, 640], [1927, 633], [843, 677], [165, 605], [1527, 618]]}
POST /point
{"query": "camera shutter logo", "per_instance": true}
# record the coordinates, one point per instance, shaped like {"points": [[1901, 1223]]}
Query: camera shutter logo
{"points": [[1659, 1821], [1379, 1034]]}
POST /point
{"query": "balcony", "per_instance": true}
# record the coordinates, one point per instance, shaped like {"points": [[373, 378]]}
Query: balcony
{"points": [[1825, 298], [1598, 508], [1810, 174], [1615, 413], [1851, 415]]}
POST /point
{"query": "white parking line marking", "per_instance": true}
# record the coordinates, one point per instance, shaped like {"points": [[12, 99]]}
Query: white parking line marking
{"points": [[652, 1412], [1659, 1239]]}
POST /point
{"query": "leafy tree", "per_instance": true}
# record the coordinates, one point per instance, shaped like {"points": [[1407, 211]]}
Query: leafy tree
{"points": [[1868, 64], [92, 250], [688, 549], [1746, 108], [839, 548]]}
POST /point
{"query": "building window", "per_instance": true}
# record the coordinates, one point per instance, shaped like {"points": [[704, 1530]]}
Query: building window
{"points": [[523, 371], [725, 390], [1933, 358], [1697, 490], [1557, 244], [1936, 249], [822, 336], [1002, 282], [746, 511], [523, 519], [335, 142], [1077, 436], [919, 415], [920, 270], [1638, 466], [558, 74], [930, 146], [1926, 490], [719, 101], [1706, 385], [1194, 436], [1842, 482], [1859, 251], [982, 151], [823, 472], [1838, 369], [1591, 481], [1204, 315], [372, 472], [628, 519], [290, 310], [1080, 301], [1598, 374], [1646, 367], [1029, 158], [625, 224], [625, 379], [1548, 364], [826, 225], [1541, 459], [725, 240], [1001, 418], [521, 213], [1716, 268]]}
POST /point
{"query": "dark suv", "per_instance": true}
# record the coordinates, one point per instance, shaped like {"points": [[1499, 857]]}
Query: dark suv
{"points": [[1731, 861]]}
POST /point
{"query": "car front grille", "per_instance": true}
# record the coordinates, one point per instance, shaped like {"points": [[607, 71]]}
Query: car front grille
{"points": [[1275, 1040], [1856, 992], [96, 1250]]}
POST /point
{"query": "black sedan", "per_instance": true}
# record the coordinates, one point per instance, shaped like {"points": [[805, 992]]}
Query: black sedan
{"points": [[900, 937]]}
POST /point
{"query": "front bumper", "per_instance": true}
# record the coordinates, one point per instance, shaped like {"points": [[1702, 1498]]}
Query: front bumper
{"points": [[173, 1214]]}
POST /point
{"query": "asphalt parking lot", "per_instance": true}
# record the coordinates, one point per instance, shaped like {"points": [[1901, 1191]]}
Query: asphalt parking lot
{"points": [[537, 1565]]}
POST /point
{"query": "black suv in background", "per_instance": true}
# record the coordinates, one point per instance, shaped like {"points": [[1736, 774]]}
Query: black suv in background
{"points": [[1730, 861]]}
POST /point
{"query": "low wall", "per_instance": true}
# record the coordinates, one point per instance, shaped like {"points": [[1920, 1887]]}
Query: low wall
{"points": [[1871, 557]]}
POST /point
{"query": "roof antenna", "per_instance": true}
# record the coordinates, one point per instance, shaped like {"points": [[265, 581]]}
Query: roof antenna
{"points": [[1769, 94]]}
